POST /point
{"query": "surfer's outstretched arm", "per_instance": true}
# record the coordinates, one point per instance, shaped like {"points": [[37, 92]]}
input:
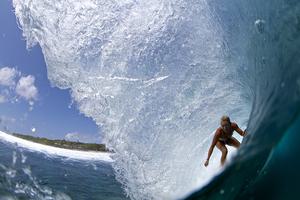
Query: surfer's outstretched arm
{"points": [[237, 129], [212, 146]]}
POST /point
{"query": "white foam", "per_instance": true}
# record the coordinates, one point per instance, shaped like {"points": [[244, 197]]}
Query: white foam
{"points": [[54, 151], [154, 75]]}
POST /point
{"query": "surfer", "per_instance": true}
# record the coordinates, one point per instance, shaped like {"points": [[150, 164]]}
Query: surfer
{"points": [[223, 137]]}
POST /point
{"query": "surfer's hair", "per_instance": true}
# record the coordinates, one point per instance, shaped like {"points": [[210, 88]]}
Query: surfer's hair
{"points": [[225, 118]]}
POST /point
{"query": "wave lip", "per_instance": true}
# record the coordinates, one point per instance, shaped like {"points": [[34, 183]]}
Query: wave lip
{"points": [[54, 151]]}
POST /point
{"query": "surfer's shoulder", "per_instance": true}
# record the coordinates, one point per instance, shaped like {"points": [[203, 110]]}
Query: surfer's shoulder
{"points": [[234, 125], [218, 131]]}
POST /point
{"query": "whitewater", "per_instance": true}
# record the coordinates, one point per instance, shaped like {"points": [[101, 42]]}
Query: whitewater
{"points": [[155, 76]]}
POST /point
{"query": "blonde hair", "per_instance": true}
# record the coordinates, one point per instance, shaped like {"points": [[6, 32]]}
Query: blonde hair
{"points": [[225, 118]]}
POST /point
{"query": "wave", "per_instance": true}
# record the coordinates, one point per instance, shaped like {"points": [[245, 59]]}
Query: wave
{"points": [[160, 132], [272, 32], [54, 151], [156, 76]]}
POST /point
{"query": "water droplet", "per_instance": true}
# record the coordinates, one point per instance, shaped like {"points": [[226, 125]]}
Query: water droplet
{"points": [[260, 25], [14, 158], [222, 191], [24, 158], [11, 173]]}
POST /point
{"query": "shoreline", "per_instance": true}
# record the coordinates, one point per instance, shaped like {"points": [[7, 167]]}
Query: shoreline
{"points": [[64, 144], [56, 151]]}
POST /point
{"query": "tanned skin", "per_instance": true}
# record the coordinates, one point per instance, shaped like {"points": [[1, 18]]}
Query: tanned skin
{"points": [[223, 137]]}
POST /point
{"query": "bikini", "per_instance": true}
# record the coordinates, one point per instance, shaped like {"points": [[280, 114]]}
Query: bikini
{"points": [[224, 139]]}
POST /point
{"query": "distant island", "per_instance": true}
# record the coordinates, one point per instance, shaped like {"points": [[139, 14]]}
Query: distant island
{"points": [[65, 144]]}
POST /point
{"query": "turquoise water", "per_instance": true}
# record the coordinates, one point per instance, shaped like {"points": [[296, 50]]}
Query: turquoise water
{"points": [[267, 165], [36, 176]]}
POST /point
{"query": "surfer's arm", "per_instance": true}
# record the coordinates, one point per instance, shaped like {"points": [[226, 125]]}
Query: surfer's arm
{"points": [[213, 144], [237, 129]]}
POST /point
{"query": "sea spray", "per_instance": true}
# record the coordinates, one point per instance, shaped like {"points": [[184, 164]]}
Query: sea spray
{"points": [[154, 75]]}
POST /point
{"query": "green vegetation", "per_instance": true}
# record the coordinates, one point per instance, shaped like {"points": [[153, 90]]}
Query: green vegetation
{"points": [[65, 144]]}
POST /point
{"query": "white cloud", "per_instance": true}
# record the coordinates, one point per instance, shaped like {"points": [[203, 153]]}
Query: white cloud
{"points": [[26, 88], [2, 99], [5, 119], [31, 103], [6, 122], [8, 76], [75, 136], [13, 89], [72, 136]]}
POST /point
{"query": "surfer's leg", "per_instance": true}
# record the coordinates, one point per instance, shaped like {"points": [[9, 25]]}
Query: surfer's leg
{"points": [[221, 146], [234, 142]]}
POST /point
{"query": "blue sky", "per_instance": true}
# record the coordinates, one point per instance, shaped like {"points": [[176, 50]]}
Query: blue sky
{"points": [[28, 104]]}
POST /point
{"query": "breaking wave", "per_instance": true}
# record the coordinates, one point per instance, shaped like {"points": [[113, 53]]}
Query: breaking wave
{"points": [[157, 75]]}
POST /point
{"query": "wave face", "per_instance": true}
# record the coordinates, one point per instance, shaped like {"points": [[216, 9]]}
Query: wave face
{"points": [[271, 33], [157, 75]]}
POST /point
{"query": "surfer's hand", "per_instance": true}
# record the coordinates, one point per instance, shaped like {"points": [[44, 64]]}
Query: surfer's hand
{"points": [[206, 163], [245, 133]]}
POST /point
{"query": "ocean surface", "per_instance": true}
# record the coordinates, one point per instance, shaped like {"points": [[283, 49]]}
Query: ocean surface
{"points": [[156, 76], [30, 174]]}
